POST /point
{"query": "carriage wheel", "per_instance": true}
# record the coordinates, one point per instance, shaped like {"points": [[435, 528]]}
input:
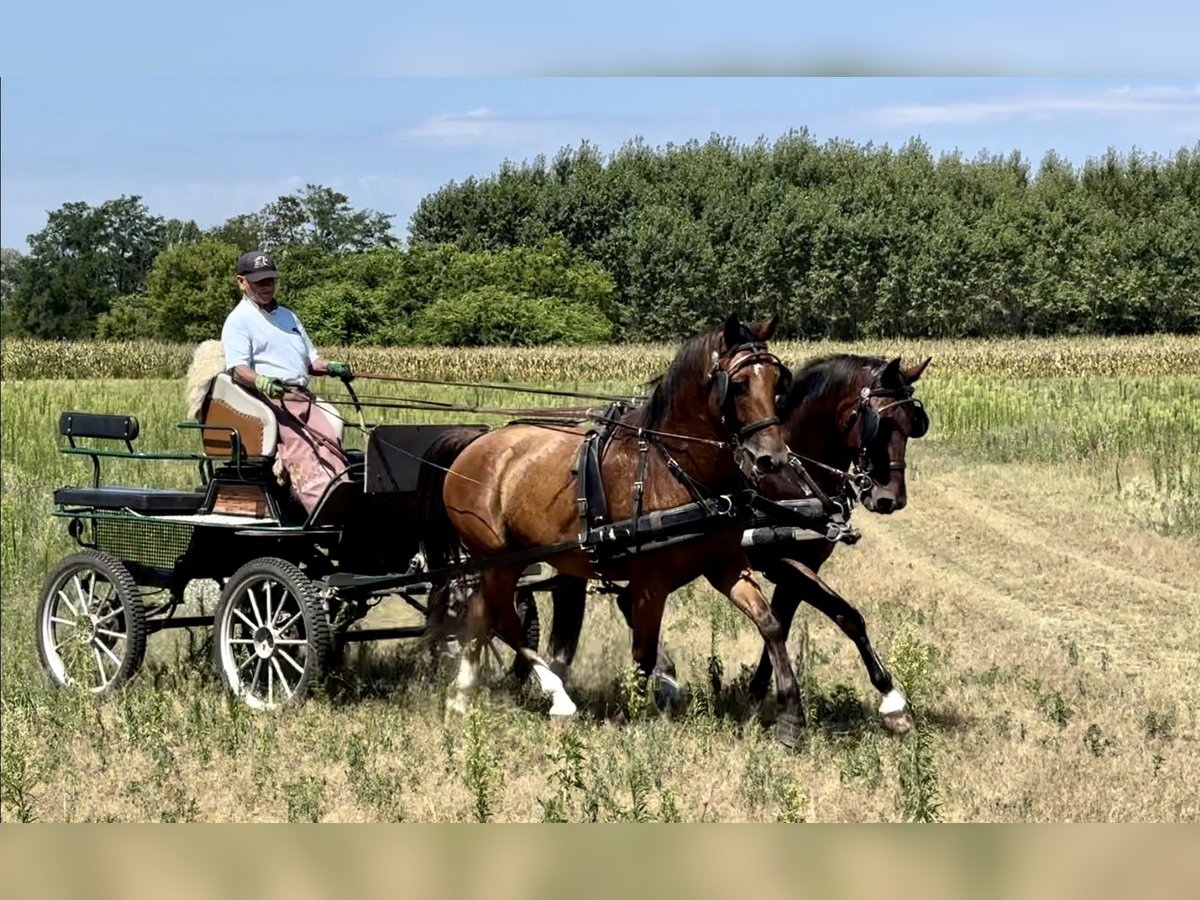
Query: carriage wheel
{"points": [[91, 625], [272, 634], [448, 626]]}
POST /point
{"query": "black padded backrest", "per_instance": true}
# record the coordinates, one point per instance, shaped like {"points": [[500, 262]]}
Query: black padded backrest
{"points": [[98, 425]]}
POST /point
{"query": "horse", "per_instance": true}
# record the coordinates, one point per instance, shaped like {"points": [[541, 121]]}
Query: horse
{"points": [[711, 423], [840, 411]]}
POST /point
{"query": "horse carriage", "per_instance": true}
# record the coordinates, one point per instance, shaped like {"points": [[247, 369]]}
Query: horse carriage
{"points": [[295, 587], [293, 584]]}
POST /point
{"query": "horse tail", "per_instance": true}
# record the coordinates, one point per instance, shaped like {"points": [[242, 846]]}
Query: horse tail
{"points": [[440, 540]]}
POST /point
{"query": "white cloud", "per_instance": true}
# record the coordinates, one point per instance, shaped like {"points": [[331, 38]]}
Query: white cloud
{"points": [[477, 126], [535, 132], [1122, 102]]}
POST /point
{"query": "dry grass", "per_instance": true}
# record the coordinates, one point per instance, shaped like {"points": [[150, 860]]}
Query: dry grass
{"points": [[1045, 628]]}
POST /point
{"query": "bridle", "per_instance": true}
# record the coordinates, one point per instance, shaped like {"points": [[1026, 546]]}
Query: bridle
{"points": [[755, 354], [868, 417]]}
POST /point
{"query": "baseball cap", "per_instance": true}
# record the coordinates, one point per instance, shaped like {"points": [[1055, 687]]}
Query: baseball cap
{"points": [[256, 266]]}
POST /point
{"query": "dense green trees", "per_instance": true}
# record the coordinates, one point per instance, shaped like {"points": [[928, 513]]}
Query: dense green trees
{"points": [[840, 240], [316, 216], [431, 295], [80, 262], [116, 270], [846, 241]]}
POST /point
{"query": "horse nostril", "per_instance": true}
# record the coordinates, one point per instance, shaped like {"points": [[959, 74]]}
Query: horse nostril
{"points": [[883, 504], [766, 463]]}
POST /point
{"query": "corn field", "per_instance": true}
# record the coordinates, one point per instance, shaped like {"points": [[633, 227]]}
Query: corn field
{"points": [[1150, 355]]}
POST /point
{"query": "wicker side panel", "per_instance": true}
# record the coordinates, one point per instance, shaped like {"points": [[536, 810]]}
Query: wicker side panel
{"points": [[144, 540]]}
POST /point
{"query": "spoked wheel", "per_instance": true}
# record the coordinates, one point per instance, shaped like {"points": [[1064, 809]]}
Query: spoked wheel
{"points": [[531, 625], [448, 625], [91, 626], [272, 634]]}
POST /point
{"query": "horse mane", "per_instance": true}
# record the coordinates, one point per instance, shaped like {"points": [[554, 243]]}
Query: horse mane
{"points": [[827, 374], [695, 354]]}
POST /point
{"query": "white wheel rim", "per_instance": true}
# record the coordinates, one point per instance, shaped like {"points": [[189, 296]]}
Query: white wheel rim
{"points": [[264, 643], [85, 628]]}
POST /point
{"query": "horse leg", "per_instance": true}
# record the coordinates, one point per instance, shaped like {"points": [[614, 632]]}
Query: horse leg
{"points": [[459, 696], [894, 707], [567, 602], [499, 587], [784, 604], [647, 599], [738, 584], [666, 690]]}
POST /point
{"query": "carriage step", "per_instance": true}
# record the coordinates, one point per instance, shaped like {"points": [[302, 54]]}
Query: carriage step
{"points": [[143, 500]]}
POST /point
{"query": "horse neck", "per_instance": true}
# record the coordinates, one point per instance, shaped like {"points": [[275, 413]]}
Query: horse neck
{"points": [[811, 430], [687, 416]]}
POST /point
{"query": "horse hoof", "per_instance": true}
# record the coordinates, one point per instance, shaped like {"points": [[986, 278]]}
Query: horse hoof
{"points": [[563, 708], [895, 712], [790, 730], [899, 722], [457, 704], [666, 691]]}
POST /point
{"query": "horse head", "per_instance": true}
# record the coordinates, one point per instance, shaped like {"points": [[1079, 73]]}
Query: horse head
{"points": [[744, 382], [877, 425]]}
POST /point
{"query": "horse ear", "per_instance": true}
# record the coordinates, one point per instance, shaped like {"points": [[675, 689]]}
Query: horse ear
{"points": [[733, 331], [764, 329], [911, 375], [891, 372]]}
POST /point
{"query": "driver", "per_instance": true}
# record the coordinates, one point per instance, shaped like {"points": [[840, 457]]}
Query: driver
{"points": [[267, 350]]}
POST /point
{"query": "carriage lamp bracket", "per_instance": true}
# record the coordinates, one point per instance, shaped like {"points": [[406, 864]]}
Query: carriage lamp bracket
{"points": [[76, 528]]}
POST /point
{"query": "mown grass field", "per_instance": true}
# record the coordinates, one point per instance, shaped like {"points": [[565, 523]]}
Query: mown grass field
{"points": [[1037, 599]]}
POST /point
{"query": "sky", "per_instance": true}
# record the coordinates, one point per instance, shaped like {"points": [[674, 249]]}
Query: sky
{"points": [[209, 111], [210, 148]]}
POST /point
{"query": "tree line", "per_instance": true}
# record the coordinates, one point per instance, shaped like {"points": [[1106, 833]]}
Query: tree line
{"points": [[840, 240]]}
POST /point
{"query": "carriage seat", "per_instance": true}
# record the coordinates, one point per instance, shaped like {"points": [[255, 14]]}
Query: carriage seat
{"points": [[229, 405], [142, 500]]}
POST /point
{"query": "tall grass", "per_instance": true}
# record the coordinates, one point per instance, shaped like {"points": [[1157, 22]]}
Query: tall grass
{"points": [[1138, 436]]}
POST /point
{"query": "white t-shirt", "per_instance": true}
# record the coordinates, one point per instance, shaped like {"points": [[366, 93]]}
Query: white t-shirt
{"points": [[273, 343]]}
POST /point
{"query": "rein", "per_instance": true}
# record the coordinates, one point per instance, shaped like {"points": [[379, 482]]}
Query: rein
{"points": [[566, 417], [493, 386]]}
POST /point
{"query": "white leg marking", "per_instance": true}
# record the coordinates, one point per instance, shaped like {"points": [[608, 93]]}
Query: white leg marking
{"points": [[466, 673], [893, 702], [551, 685], [666, 690], [457, 700]]}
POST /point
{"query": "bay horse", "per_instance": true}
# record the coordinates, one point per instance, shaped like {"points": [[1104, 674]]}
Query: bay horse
{"points": [[839, 411], [709, 426]]}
